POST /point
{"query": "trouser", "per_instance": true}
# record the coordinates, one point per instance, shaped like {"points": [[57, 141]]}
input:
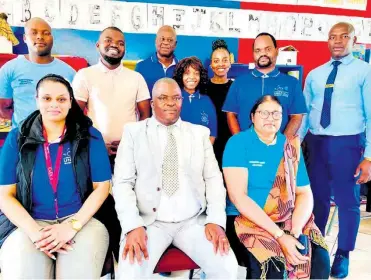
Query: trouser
{"points": [[19, 258], [332, 162], [320, 259], [188, 236]]}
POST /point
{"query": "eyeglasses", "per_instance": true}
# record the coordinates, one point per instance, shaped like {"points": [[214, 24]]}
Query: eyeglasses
{"points": [[276, 115], [168, 99]]}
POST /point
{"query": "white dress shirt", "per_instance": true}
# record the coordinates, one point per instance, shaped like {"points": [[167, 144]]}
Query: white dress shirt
{"points": [[183, 204]]}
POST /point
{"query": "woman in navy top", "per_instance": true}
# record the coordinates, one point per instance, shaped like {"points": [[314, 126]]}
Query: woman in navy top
{"points": [[54, 177], [217, 89], [270, 201], [197, 108]]}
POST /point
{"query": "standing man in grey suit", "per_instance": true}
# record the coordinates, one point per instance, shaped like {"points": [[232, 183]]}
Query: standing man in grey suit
{"points": [[169, 190]]}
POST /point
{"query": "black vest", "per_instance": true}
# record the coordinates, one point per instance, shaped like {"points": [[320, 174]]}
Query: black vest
{"points": [[29, 138]]}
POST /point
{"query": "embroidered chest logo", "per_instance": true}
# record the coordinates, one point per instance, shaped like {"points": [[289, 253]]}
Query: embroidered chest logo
{"points": [[67, 157], [23, 82], [204, 118], [257, 163], [281, 91]]}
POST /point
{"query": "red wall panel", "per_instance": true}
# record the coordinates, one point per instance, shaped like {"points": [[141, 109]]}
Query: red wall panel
{"points": [[311, 54]]}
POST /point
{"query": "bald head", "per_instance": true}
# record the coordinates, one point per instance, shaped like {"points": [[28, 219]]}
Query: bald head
{"points": [[166, 28], [166, 42], [163, 83], [341, 40], [38, 37], [348, 26], [37, 22], [166, 101]]}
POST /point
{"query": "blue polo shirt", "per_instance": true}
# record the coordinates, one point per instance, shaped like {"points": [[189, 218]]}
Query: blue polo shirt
{"points": [[199, 109], [248, 88], [69, 201], [152, 70], [246, 150]]}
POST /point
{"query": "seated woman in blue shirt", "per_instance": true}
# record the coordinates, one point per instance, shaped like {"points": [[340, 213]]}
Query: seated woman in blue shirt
{"points": [[54, 177], [197, 108], [270, 201]]}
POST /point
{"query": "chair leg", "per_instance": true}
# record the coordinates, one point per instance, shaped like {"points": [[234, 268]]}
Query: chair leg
{"points": [[191, 273], [329, 228]]}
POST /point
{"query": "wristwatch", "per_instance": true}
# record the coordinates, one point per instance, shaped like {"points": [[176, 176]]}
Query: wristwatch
{"points": [[279, 233], [76, 224]]}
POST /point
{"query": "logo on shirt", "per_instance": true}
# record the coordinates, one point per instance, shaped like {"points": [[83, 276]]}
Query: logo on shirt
{"points": [[67, 157], [23, 82], [204, 118], [257, 163], [281, 91]]}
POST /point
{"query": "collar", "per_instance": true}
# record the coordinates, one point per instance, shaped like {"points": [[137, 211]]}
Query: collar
{"points": [[104, 69], [274, 73], [345, 60], [191, 96], [154, 58], [155, 122]]}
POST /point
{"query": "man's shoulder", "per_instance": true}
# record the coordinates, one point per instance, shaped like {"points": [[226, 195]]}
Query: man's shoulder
{"points": [[195, 128], [131, 74], [134, 127], [288, 79], [14, 63], [65, 65], [146, 61], [318, 69]]}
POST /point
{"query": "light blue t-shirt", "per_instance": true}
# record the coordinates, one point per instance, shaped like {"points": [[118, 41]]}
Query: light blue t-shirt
{"points": [[69, 200], [246, 150], [18, 79]]}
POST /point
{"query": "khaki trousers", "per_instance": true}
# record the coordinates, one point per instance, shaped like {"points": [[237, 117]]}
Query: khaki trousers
{"points": [[19, 259]]}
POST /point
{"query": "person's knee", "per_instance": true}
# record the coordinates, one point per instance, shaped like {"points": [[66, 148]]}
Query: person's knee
{"points": [[126, 270], [320, 263]]}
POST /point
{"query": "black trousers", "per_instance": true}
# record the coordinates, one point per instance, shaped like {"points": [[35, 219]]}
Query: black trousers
{"points": [[320, 259]]}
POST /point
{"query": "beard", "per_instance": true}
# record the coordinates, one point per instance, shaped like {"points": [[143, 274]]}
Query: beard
{"points": [[267, 64], [112, 60]]}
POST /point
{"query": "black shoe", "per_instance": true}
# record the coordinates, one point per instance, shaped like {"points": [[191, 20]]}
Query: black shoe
{"points": [[340, 267]]}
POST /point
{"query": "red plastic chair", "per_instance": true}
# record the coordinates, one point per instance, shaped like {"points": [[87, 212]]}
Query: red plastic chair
{"points": [[174, 259]]}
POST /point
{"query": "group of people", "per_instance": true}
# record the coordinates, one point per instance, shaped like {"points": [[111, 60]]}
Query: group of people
{"points": [[167, 134]]}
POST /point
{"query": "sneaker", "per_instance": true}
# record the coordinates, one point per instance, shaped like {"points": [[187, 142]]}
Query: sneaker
{"points": [[340, 267]]}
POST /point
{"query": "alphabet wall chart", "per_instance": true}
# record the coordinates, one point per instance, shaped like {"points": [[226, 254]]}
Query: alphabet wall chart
{"points": [[135, 17]]}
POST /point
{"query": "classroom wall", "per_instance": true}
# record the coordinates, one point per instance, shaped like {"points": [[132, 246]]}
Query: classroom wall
{"points": [[311, 54], [139, 46]]}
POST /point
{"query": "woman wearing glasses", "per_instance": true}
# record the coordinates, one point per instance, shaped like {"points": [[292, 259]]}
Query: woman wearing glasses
{"points": [[270, 201], [197, 107]]}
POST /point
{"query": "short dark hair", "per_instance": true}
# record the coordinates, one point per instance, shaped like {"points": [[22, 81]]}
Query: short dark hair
{"points": [[265, 34], [196, 63], [111, 28], [75, 115], [263, 99]]}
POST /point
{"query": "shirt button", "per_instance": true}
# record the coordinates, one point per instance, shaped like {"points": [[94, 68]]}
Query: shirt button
{"points": [[154, 209], [158, 189]]}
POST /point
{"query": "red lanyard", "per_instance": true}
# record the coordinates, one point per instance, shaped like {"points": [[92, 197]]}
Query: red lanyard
{"points": [[53, 175]]}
